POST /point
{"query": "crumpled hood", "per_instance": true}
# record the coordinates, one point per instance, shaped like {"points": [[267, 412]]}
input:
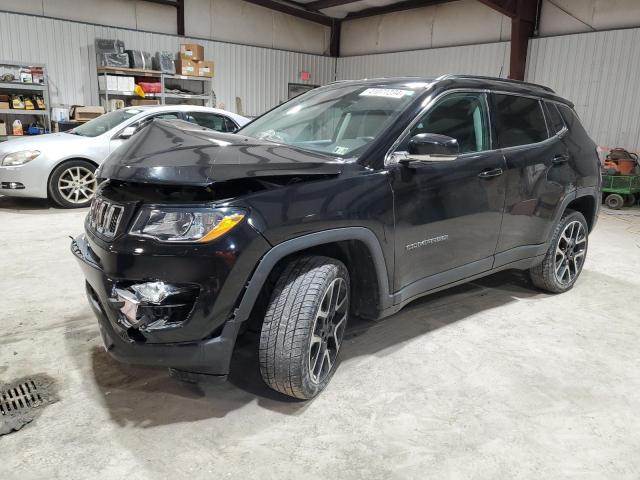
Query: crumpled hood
{"points": [[177, 153]]}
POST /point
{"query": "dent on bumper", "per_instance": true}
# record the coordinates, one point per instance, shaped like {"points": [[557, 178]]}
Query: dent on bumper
{"points": [[210, 356]]}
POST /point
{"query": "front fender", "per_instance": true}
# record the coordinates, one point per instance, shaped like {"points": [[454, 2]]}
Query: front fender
{"points": [[278, 252]]}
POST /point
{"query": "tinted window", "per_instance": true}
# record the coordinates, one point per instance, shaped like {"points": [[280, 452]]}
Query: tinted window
{"points": [[462, 116], [555, 120], [572, 122], [569, 115], [518, 120], [208, 120]]}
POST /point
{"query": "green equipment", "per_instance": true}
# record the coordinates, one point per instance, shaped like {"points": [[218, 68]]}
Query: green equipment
{"points": [[620, 190]]}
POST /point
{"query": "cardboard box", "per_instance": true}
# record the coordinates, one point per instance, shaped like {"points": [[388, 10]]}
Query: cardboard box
{"points": [[83, 113], [5, 101], [205, 69], [186, 67], [111, 82], [126, 84], [138, 102], [192, 51], [3, 128]]}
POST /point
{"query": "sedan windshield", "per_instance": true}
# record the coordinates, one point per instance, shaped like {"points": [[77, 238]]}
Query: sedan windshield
{"points": [[105, 122], [340, 121]]}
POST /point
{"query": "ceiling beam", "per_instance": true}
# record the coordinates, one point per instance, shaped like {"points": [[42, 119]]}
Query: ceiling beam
{"points": [[394, 7], [334, 44], [322, 4], [505, 7], [523, 26], [291, 10], [180, 17]]}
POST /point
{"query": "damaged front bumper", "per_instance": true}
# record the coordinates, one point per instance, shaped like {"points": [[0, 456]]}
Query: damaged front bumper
{"points": [[160, 323]]}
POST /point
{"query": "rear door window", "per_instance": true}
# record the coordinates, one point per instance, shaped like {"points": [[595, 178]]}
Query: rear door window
{"points": [[518, 120], [213, 121]]}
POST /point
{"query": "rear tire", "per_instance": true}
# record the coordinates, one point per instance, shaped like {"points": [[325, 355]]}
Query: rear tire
{"points": [[73, 184], [565, 257], [304, 326], [629, 200], [614, 201]]}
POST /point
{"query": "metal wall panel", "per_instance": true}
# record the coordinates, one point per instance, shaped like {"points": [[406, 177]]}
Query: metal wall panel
{"points": [[258, 76], [485, 59], [600, 73]]}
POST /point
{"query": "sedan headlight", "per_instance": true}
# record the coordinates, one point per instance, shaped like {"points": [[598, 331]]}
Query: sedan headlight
{"points": [[16, 159], [186, 224]]}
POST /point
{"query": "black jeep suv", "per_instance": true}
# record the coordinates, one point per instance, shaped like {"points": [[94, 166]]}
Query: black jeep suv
{"points": [[351, 200]]}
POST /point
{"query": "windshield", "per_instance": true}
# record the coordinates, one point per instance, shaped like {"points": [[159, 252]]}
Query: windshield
{"points": [[105, 122], [338, 121]]}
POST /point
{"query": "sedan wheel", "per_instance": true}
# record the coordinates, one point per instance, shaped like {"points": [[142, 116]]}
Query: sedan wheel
{"points": [[73, 184]]}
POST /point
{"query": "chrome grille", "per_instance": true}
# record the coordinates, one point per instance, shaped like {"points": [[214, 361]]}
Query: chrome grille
{"points": [[104, 217]]}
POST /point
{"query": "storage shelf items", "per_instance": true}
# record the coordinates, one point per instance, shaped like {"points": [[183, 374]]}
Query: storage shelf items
{"points": [[120, 93], [23, 86], [24, 89], [11, 111], [202, 86], [132, 72]]}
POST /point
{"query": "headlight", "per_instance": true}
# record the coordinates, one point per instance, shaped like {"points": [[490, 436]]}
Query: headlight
{"points": [[186, 225], [19, 158]]}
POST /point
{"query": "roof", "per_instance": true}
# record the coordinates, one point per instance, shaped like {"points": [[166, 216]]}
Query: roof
{"points": [[463, 81]]}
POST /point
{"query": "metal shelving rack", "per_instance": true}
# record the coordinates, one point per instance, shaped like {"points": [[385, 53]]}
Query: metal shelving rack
{"points": [[18, 88], [206, 86]]}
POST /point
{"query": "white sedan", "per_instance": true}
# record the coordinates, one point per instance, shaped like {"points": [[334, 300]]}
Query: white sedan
{"points": [[61, 166]]}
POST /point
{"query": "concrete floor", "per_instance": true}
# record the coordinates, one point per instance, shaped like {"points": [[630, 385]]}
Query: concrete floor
{"points": [[489, 380]]}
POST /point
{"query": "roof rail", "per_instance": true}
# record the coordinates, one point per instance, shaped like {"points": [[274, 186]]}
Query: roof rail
{"points": [[495, 79]]}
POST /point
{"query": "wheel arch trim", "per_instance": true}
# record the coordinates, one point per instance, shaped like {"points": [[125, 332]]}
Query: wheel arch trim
{"points": [[288, 247]]}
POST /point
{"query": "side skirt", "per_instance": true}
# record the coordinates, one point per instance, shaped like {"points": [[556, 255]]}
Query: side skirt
{"points": [[522, 264]]}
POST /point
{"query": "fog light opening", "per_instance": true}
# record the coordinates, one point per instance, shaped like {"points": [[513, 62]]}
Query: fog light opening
{"points": [[12, 186]]}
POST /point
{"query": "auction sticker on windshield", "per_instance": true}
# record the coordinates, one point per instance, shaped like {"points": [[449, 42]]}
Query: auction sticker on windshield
{"points": [[386, 92]]}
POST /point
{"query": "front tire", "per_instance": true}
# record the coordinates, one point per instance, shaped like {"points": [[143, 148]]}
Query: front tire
{"points": [[73, 184], [304, 326], [565, 257]]}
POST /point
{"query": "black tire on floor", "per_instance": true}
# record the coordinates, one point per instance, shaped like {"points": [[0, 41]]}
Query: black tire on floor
{"points": [[629, 200], [560, 250], [72, 169], [296, 327], [614, 201]]}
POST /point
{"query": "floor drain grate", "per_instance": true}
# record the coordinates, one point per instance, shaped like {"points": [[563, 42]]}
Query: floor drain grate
{"points": [[22, 396], [24, 399]]}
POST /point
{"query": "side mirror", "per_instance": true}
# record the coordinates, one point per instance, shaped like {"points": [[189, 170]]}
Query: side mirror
{"points": [[433, 145], [128, 132]]}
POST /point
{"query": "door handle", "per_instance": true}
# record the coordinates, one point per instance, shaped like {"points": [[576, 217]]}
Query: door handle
{"points": [[495, 172], [558, 159]]}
